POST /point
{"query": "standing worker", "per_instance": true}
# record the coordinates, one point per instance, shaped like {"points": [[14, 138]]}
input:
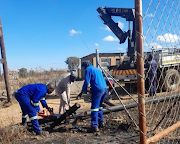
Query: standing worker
{"points": [[99, 92], [63, 91], [111, 84], [28, 97], [152, 66]]}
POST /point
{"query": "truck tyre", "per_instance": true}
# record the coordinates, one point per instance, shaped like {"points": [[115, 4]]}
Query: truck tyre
{"points": [[172, 80]]}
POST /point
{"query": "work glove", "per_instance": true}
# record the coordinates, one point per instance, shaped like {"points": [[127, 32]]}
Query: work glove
{"points": [[90, 90], [49, 109], [79, 95]]}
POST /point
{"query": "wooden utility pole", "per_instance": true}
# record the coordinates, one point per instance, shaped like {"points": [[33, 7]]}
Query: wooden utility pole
{"points": [[4, 62]]}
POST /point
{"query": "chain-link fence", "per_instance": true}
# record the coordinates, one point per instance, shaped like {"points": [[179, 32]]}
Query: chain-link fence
{"points": [[161, 41], [155, 70]]}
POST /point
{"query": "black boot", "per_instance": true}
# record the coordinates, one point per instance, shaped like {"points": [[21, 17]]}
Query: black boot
{"points": [[39, 133], [101, 125], [93, 130]]}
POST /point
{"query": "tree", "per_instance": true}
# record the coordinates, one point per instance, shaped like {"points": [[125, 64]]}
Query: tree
{"points": [[31, 72], [23, 72], [72, 62]]}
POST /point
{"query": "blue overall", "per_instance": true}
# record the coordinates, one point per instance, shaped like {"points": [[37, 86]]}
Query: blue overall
{"points": [[152, 76], [28, 98], [99, 92]]}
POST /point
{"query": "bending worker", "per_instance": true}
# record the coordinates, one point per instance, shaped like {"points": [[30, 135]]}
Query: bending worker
{"points": [[63, 91], [28, 97], [111, 84], [99, 92]]}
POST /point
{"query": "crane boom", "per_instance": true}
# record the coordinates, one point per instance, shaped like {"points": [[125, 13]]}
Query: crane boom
{"points": [[106, 14]]}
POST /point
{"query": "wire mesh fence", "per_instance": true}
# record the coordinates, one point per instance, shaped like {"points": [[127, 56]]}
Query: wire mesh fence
{"points": [[162, 79], [159, 60]]}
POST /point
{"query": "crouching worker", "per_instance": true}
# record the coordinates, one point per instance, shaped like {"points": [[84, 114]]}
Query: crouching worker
{"points": [[28, 97], [63, 91], [97, 82]]}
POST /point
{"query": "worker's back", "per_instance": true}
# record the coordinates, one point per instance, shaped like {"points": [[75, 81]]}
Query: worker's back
{"points": [[152, 66], [32, 89], [63, 85], [96, 78]]}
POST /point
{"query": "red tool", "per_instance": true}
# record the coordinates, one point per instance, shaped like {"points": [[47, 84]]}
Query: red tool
{"points": [[45, 113]]}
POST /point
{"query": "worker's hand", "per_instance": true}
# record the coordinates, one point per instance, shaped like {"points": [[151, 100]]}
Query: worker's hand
{"points": [[90, 90], [79, 95], [41, 111], [44, 113], [49, 109]]}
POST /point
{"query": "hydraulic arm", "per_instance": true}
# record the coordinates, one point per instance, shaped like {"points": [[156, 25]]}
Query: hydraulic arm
{"points": [[106, 15]]}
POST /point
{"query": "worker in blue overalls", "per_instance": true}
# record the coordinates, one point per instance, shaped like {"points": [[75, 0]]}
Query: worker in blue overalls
{"points": [[28, 97], [152, 69], [98, 86]]}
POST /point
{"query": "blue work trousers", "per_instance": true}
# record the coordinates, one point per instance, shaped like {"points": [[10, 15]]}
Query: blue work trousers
{"points": [[28, 110], [152, 84], [98, 97]]}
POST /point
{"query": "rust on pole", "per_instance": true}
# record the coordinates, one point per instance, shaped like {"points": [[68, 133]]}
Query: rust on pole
{"points": [[5, 67], [140, 70]]}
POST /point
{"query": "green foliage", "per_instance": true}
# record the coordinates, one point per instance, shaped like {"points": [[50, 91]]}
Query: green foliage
{"points": [[72, 62], [23, 72]]}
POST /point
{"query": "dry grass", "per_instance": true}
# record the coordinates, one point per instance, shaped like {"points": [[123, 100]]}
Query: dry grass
{"points": [[12, 134]]}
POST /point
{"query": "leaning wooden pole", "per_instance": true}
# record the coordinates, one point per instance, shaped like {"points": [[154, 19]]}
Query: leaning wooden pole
{"points": [[5, 67], [163, 133], [140, 70]]}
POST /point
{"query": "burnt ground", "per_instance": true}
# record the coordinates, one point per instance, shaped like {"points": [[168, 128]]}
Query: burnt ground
{"points": [[116, 130], [119, 129]]}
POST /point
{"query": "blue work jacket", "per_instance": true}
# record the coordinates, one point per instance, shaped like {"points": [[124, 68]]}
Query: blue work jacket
{"points": [[36, 93], [95, 77]]}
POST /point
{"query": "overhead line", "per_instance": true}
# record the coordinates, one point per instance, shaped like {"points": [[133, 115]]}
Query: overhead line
{"points": [[71, 24]]}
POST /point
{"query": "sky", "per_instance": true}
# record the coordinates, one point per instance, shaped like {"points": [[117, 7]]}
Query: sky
{"points": [[45, 32]]}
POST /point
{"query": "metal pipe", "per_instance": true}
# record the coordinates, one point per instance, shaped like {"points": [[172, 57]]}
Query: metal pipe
{"points": [[163, 133], [140, 70], [109, 103], [97, 58], [134, 104], [65, 115], [55, 117], [113, 108], [5, 67]]}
